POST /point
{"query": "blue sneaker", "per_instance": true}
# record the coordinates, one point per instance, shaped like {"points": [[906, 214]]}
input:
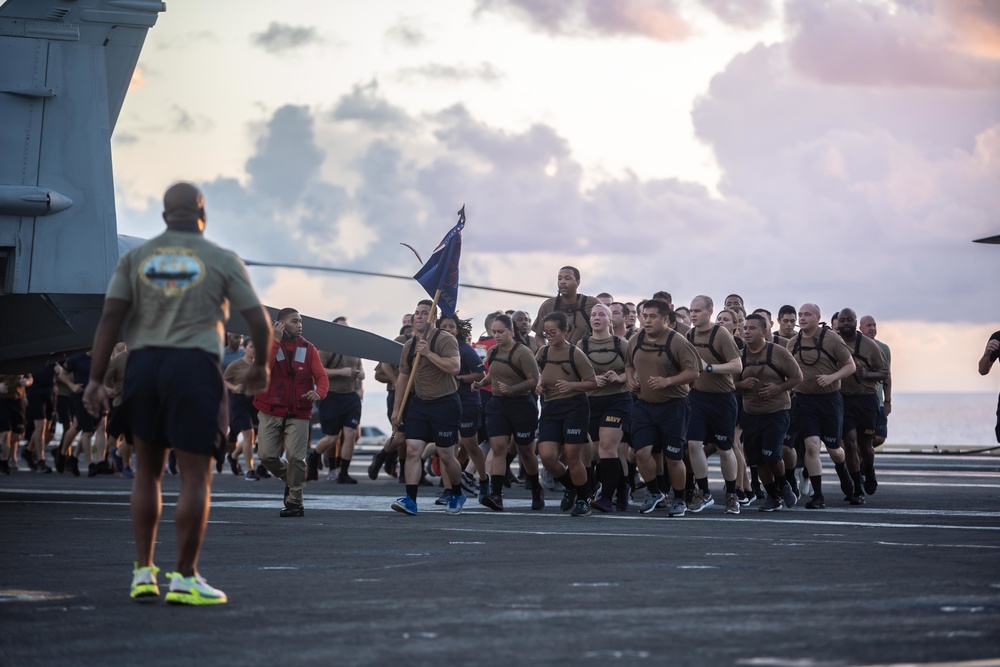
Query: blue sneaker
{"points": [[455, 503], [406, 505], [443, 498]]}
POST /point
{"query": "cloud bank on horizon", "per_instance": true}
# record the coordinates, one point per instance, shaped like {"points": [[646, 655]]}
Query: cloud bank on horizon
{"points": [[857, 157]]}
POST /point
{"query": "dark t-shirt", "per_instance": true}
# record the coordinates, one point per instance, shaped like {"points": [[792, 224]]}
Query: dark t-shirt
{"points": [[470, 363], [79, 367]]}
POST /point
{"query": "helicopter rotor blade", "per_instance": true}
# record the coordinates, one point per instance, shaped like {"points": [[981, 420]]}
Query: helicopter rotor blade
{"points": [[374, 274]]}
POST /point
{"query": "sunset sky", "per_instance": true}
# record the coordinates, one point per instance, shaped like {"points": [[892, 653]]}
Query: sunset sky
{"points": [[838, 152]]}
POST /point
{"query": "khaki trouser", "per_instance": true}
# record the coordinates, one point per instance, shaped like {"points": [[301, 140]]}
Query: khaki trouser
{"points": [[294, 433]]}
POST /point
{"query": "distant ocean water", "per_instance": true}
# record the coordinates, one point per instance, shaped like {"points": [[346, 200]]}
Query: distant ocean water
{"points": [[916, 419]]}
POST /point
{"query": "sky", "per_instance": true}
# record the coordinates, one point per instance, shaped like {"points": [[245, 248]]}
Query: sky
{"points": [[842, 152]]}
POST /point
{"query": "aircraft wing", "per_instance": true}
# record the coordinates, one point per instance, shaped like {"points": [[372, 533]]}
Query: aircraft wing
{"points": [[338, 338]]}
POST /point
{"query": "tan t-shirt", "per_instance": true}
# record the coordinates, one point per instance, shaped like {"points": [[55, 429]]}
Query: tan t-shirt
{"points": [[341, 384], [114, 376], [431, 382], [555, 365], [714, 346], [649, 359], [577, 311], [867, 354], [605, 355], [815, 359], [780, 367], [180, 287], [503, 363], [236, 373]]}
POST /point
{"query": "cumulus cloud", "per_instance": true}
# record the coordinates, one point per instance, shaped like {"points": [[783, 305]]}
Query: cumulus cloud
{"points": [[654, 19], [865, 43], [741, 13], [365, 105], [485, 72], [280, 38], [287, 157], [407, 32]]}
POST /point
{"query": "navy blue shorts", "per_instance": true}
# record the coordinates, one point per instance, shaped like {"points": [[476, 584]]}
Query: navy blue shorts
{"points": [[85, 422], [819, 415], [713, 418], [882, 425], [434, 421], [763, 436], [468, 427], [508, 416], [64, 409], [175, 398], [339, 411], [242, 413], [861, 414], [11, 415], [564, 420], [40, 406], [614, 411], [116, 427], [662, 426]]}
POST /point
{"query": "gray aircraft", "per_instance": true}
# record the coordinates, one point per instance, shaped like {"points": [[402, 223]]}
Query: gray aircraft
{"points": [[65, 67]]}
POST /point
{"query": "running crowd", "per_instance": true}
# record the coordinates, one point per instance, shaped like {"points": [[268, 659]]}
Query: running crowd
{"points": [[609, 397], [597, 397]]}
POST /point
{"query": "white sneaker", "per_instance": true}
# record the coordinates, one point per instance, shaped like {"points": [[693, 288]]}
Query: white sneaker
{"points": [[193, 591]]}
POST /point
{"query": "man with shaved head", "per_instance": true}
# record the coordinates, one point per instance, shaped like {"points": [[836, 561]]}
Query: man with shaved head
{"points": [[713, 404], [818, 410], [884, 393], [861, 405], [171, 297], [522, 321]]}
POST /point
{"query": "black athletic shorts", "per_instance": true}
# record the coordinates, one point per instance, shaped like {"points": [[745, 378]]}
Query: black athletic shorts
{"points": [[613, 411], [339, 411], [565, 420], [820, 415], [662, 426], [175, 398], [434, 421], [512, 416], [861, 414], [115, 423], [11, 415], [85, 422], [468, 427], [882, 425], [713, 418], [763, 436], [64, 409], [390, 400], [40, 406], [242, 415]]}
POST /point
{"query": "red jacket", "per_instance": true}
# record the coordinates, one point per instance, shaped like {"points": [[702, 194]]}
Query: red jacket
{"points": [[295, 370]]}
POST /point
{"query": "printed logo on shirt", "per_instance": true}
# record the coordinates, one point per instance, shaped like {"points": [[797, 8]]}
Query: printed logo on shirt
{"points": [[172, 271]]}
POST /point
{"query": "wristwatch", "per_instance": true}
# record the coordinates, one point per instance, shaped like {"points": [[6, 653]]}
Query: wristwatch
{"points": [[708, 368]]}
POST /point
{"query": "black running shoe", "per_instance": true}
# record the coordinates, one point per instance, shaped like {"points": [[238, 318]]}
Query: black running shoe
{"points": [[60, 461], [871, 484], [376, 464], [262, 472], [234, 465], [817, 503], [494, 501], [292, 509], [568, 500], [73, 463]]}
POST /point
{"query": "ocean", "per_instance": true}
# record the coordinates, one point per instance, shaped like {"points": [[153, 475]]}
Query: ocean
{"points": [[916, 419]]}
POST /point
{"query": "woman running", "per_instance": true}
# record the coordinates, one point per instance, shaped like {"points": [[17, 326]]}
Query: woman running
{"points": [[511, 412], [566, 377], [610, 406]]}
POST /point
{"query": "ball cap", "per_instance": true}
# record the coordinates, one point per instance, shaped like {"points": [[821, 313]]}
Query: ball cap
{"points": [[183, 202]]}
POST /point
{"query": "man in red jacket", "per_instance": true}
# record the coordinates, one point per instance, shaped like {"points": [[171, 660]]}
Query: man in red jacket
{"points": [[298, 380]]}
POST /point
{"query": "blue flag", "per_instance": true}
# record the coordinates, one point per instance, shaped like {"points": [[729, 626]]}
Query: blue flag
{"points": [[441, 270]]}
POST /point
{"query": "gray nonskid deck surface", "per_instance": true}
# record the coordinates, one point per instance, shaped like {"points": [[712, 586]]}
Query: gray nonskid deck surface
{"points": [[910, 578]]}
